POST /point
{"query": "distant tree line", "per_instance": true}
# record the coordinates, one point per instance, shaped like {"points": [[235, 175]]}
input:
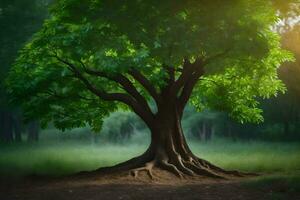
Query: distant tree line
{"points": [[19, 20]]}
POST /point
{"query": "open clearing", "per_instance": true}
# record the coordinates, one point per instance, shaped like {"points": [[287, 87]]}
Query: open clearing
{"points": [[279, 162]]}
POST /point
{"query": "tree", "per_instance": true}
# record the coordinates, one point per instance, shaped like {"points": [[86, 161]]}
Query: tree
{"points": [[121, 126], [94, 57], [18, 21], [201, 125], [285, 109]]}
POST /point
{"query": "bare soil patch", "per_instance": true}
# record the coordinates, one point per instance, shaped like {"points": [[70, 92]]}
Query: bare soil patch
{"points": [[124, 186]]}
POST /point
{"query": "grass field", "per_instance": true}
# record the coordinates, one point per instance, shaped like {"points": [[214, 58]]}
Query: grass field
{"points": [[67, 158]]}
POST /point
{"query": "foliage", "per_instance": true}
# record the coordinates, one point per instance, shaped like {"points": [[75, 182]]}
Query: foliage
{"points": [[52, 78], [18, 21]]}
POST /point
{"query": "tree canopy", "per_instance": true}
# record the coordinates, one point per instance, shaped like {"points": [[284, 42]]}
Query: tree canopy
{"points": [[92, 57]]}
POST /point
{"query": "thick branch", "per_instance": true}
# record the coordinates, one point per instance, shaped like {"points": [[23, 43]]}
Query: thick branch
{"points": [[171, 72], [187, 72], [125, 83], [124, 98], [188, 89], [190, 76], [145, 83], [55, 94]]}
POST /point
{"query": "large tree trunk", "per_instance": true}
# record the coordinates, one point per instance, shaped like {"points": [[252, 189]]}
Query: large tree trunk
{"points": [[169, 151]]}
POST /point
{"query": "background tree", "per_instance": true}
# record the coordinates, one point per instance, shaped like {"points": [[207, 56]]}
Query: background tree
{"points": [[94, 57], [281, 113], [285, 110], [18, 21], [121, 126], [200, 125]]}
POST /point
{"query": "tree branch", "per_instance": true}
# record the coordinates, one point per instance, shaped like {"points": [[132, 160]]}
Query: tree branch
{"points": [[125, 83], [189, 86], [170, 79], [146, 84], [124, 98], [190, 76], [187, 72]]}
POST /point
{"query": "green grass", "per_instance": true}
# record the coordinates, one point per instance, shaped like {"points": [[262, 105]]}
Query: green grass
{"points": [[68, 158], [251, 156], [61, 159]]}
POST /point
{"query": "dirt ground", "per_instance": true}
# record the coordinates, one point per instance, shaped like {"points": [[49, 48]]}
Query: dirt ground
{"points": [[125, 187]]}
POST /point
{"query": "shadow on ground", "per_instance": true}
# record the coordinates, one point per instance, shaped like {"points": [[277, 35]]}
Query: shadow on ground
{"points": [[111, 190]]}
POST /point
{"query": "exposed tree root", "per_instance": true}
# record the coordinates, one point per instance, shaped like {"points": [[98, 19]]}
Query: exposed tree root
{"points": [[186, 168], [227, 172], [148, 168], [174, 158], [171, 168], [200, 170], [182, 168]]}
